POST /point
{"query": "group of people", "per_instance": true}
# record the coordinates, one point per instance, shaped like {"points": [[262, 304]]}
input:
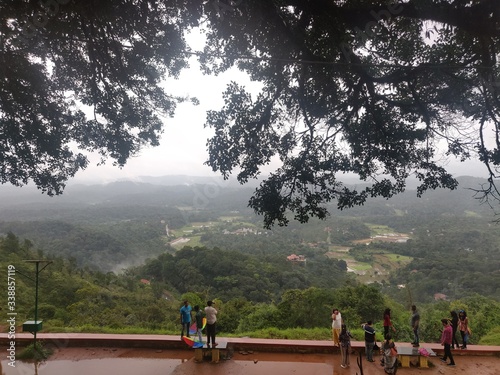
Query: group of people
{"points": [[342, 337], [210, 315], [460, 322], [449, 334], [415, 323]]}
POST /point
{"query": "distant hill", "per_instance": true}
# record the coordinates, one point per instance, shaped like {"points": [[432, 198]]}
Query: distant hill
{"points": [[125, 222], [211, 193]]}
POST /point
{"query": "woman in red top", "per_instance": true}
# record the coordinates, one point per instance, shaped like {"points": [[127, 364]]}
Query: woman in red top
{"points": [[387, 322]]}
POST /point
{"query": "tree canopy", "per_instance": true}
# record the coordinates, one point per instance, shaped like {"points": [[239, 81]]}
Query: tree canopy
{"points": [[374, 88], [85, 74]]}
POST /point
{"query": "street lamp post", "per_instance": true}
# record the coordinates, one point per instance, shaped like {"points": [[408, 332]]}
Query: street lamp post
{"points": [[35, 326]]}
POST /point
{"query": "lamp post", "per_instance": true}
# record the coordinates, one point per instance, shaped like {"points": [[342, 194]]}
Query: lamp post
{"points": [[35, 326]]}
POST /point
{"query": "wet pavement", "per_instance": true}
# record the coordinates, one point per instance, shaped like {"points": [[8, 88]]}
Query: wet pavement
{"points": [[123, 361]]}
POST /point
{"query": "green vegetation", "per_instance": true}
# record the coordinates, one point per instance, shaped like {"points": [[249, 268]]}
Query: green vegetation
{"points": [[245, 269], [253, 295], [399, 258], [37, 352], [377, 229]]}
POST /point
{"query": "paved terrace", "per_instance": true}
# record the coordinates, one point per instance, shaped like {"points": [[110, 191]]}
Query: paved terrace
{"points": [[62, 340]]}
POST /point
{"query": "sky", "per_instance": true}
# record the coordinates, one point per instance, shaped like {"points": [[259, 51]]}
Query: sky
{"points": [[182, 147]]}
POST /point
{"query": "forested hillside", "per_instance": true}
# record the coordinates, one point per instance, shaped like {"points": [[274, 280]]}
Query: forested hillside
{"points": [[253, 295], [200, 241], [230, 274]]}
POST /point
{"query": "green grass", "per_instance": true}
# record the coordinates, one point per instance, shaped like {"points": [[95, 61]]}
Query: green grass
{"points": [[338, 248], [491, 338], [361, 266], [376, 229], [195, 241], [290, 334]]}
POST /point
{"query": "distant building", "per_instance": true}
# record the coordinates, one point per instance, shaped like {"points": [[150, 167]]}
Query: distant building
{"points": [[440, 297], [242, 231], [145, 282], [296, 258]]}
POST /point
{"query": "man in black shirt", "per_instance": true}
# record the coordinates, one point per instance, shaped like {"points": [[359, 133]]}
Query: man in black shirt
{"points": [[415, 321], [369, 340]]}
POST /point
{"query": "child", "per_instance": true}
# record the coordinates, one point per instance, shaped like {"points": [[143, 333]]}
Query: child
{"points": [[345, 345], [199, 322]]}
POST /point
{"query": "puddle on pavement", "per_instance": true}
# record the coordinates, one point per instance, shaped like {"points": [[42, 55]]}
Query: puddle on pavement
{"points": [[103, 366], [99, 361]]}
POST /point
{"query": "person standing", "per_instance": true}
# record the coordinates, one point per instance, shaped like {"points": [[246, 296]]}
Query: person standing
{"points": [[369, 340], [446, 342], [211, 315], [463, 326], [345, 346], [387, 322], [415, 321], [199, 322], [454, 326], [336, 326], [185, 318]]}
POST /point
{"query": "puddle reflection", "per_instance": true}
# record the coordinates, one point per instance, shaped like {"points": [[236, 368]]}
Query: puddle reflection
{"points": [[100, 361], [102, 366]]}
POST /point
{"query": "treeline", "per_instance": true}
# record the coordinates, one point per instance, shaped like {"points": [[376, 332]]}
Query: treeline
{"points": [[455, 256], [105, 247], [230, 274]]}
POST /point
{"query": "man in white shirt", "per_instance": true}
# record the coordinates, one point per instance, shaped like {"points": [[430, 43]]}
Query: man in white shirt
{"points": [[211, 315]]}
